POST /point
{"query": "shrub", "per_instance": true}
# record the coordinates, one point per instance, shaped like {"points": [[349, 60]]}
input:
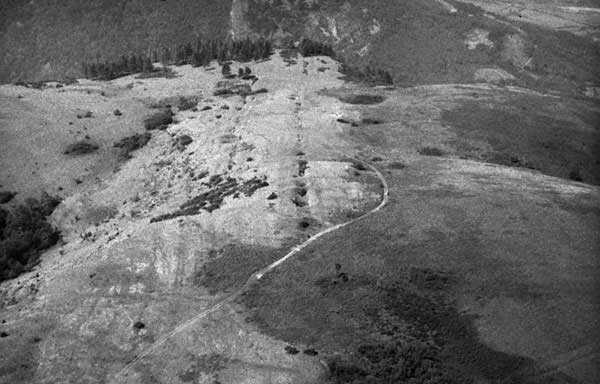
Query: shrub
{"points": [[364, 99], [6, 196], [82, 147], [24, 234], [131, 143], [85, 115], [159, 120], [431, 151], [186, 103], [164, 72], [309, 47], [368, 74]]}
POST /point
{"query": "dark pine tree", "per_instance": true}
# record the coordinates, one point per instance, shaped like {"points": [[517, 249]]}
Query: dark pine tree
{"points": [[132, 64], [226, 69], [166, 56]]}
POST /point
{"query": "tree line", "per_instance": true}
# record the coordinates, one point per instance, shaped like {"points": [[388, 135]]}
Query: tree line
{"points": [[199, 54]]}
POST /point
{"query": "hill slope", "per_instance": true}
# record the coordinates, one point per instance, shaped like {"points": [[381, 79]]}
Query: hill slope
{"points": [[42, 40], [418, 42]]}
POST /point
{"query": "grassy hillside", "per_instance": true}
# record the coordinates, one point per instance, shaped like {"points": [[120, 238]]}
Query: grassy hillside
{"points": [[422, 42], [416, 41], [49, 39]]}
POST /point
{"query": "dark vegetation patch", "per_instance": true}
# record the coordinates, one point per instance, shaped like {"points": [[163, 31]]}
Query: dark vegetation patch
{"points": [[159, 120], [291, 350], [24, 234], [162, 72], [186, 103], [132, 143], [362, 99], [219, 188], [308, 47], [207, 364], [302, 166], [406, 330], [371, 121], [233, 264], [393, 323], [82, 147], [397, 165], [531, 132], [368, 75], [183, 141], [116, 112], [272, 196], [430, 151], [85, 115], [138, 326], [6, 196]]}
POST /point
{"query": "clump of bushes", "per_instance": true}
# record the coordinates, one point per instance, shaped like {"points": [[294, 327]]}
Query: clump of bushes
{"points": [[186, 103], [368, 74], [309, 47], [86, 115], [199, 54], [159, 120], [131, 143], [362, 98], [164, 72], [82, 147], [431, 151], [6, 196], [24, 234]]}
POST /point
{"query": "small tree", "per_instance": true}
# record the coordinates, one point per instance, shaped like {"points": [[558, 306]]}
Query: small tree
{"points": [[166, 56], [240, 72], [132, 64], [226, 69]]}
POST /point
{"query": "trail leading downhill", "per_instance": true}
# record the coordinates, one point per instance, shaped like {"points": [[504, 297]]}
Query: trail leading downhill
{"points": [[257, 276]]}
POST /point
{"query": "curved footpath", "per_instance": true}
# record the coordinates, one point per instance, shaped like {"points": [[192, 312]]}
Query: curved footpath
{"points": [[259, 274]]}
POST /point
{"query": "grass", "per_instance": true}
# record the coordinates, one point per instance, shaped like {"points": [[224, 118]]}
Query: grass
{"points": [[25, 234], [531, 132]]}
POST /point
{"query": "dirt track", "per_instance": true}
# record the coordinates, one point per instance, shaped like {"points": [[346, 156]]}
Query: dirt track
{"points": [[256, 277]]}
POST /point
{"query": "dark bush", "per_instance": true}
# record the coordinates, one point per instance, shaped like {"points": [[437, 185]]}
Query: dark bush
{"points": [[575, 175], [431, 151], [186, 103], [24, 234], [164, 72], [183, 141], [309, 47], [85, 115], [368, 74], [116, 112], [363, 99], [131, 143], [6, 196], [371, 121], [159, 120], [82, 147]]}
